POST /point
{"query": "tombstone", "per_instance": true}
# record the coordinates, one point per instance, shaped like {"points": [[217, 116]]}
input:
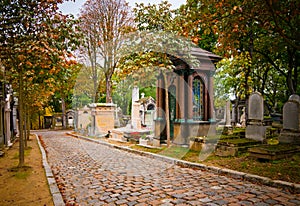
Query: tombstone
{"points": [[255, 129], [84, 118], [291, 121], [227, 115], [135, 109], [135, 116], [228, 127], [256, 107]]}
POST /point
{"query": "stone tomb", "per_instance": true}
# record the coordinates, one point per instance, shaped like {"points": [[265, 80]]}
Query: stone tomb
{"points": [[255, 129], [83, 119], [105, 117], [291, 121]]}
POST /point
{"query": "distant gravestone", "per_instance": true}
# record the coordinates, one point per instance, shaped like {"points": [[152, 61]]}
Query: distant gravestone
{"points": [[291, 121], [256, 107], [295, 98], [227, 115], [291, 116], [255, 129]]}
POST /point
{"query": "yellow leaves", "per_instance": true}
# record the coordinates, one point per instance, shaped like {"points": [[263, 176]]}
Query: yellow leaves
{"points": [[21, 57], [28, 63], [195, 40]]}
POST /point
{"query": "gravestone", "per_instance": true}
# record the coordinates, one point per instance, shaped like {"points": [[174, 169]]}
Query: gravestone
{"points": [[135, 116], [135, 109], [228, 127], [227, 115], [84, 118], [255, 129], [291, 121], [256, 107]]}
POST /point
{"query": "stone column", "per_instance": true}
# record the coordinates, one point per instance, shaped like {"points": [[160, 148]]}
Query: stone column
{"points": [[181, 98], [227, 115], [159, 97], [190, 98], [211, 115]]}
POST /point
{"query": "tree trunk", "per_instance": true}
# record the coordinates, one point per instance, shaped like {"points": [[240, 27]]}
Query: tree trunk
{"points": [[21, 120], [108, 88], [25, 126], [63, 109], [28, 125]]}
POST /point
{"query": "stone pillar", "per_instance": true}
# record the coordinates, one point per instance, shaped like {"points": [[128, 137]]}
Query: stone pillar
{"points": [[181, 98], [159, 122], [211, 113], [159, 97], [190, 98], [227, 115]]}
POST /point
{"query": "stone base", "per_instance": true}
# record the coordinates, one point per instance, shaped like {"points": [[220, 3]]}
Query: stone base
{"points": [[195, 146], [225, 151], [289, 137], [156, 142], [256, 132], [144, 142], [227, 130], [273, 152]]}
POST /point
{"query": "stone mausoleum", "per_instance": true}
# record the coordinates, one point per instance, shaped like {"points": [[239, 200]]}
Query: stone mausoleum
{"points": [[191, 109]]}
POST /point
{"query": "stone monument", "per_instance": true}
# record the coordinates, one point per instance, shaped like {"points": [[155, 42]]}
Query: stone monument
{"points": [[135, 109], [228, 127], [291, 121], [255, 129]]}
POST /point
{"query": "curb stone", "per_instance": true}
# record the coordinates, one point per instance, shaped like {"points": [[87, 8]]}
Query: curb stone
{"points": [[292, 187], [56, 195]]}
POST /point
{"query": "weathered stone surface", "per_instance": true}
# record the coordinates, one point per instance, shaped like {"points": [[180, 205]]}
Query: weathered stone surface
{"points": [[256, 132], [295, 97], [291, 112], [82, 165], [256, 107]]}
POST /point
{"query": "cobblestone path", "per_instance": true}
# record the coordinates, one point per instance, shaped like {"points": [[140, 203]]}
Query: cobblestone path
{"points": [[94, 174]]}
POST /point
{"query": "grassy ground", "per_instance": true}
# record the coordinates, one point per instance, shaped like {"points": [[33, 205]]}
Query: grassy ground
{"points": [[285, 169]]}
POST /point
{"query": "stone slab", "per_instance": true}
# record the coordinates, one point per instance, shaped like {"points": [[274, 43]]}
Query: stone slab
{"points": [[289, 137], [256, 132]]}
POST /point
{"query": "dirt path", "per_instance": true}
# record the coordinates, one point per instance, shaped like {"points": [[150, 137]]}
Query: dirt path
{"points": [[24, 187]]}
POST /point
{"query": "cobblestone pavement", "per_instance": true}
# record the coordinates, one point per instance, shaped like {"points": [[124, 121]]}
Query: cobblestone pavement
{"points": [[95, 174]]}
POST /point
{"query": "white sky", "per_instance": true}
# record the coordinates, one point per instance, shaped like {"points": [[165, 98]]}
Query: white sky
{"points": [[74, 7]]}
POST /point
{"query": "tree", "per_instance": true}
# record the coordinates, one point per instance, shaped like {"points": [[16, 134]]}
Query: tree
{"points": [[33, 38], [103, 22], [252, 26]]}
